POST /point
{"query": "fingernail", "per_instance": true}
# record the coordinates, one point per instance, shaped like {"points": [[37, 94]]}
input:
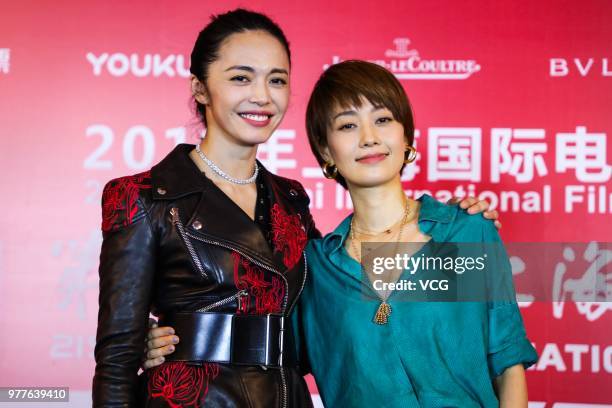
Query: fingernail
{"points": [[171, 348], [171, 331], [175, 339], [161, 359]]}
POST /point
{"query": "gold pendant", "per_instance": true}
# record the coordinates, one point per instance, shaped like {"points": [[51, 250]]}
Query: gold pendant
{"points": [[383, 313]]}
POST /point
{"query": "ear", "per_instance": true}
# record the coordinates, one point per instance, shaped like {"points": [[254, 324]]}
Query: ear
{"points": [[326, 155], [198, 90]]}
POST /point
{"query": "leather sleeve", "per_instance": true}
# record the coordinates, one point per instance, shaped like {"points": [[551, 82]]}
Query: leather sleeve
{"points": [[127, 267], [311, 230]]}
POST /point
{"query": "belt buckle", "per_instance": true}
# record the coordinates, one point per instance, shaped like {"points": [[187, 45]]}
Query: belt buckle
{"points": [[270, 340]]}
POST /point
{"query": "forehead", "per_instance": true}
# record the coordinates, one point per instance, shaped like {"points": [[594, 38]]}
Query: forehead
{"points": [[355, 103], [257, 49]]}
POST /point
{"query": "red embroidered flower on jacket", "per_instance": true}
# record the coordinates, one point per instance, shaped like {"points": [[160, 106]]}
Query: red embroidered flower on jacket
{"points": [[288, 235], [182, 385], [268, 295], [119, 200]]}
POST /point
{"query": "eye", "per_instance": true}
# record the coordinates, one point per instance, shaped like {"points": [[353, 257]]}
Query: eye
{"points": [[278, 81], [385, 119], [347, 126], [239, 78]]}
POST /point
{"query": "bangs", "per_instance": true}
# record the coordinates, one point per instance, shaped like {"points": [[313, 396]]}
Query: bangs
{"points": [[358, 83], [357, 100]]}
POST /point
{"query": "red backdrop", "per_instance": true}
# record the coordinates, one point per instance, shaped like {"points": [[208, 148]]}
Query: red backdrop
{"points": [[512, 102]]}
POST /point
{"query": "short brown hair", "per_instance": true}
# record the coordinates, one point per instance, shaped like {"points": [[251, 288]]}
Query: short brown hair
{"points": [[344, 85]]}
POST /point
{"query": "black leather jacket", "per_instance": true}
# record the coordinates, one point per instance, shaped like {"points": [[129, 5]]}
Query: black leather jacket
{"points": [[173, 242]]}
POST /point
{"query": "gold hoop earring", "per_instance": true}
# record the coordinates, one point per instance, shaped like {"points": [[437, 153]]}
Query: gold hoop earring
{"points": [[410, 154], [330, 171]]}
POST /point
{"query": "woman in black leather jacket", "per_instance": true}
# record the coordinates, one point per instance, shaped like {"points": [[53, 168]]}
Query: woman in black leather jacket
{"points": [[211, 242]]}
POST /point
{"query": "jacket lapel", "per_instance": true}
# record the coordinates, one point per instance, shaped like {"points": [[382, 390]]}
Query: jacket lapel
{"points": [[220, 219], [215, 217]]}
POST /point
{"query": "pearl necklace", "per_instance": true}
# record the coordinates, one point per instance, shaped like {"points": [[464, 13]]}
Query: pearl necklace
{"points": [[223, 174]]}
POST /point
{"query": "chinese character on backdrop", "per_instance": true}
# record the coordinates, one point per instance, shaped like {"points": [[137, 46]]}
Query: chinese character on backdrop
{"points": [[454, 154], [274, 153], [585, 153], [519, 153]]}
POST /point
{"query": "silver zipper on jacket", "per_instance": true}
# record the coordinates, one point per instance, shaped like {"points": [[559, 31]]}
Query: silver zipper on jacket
{"points": [[284, 382], [181, 230], [225, 301], [251, 259], [186, 234]]}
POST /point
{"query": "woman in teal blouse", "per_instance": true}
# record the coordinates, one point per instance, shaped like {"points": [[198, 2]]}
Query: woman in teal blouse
{"points": [[367, 350], [428, 354]]}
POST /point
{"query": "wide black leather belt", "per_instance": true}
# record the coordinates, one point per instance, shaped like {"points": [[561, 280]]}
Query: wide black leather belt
{"points": [[233, 339]]}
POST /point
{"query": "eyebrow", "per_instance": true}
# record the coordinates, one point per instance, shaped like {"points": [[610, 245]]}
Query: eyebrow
{"points": [[251, 69], [353, 112]]}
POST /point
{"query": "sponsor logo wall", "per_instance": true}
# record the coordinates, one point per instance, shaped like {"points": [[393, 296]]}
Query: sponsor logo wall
{"points": [[512, 104]]}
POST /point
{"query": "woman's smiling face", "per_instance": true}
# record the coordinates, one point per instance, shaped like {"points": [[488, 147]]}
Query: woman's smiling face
{"points": [[366, 143], [247, 88]]}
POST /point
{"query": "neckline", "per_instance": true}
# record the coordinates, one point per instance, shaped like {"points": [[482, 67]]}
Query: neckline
{"points": [[213, 185], [355, 268]]}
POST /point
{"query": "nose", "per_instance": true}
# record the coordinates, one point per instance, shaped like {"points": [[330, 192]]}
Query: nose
{"points": [[369, 136], [260, 93]]}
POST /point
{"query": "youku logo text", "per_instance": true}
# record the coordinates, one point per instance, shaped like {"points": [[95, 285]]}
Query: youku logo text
{"points": [[406, 63]]}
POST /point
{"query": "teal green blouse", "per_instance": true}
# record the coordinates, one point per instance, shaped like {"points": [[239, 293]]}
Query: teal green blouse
{"points": [[429, 354]]}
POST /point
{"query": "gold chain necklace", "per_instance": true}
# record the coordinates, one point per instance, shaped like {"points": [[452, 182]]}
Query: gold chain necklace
{"points": [[384, 309], [387, 231]]}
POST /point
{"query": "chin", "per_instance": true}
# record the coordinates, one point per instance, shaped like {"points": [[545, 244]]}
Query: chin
{"points": [[372, 180], [251, 137], [256, 138]]}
